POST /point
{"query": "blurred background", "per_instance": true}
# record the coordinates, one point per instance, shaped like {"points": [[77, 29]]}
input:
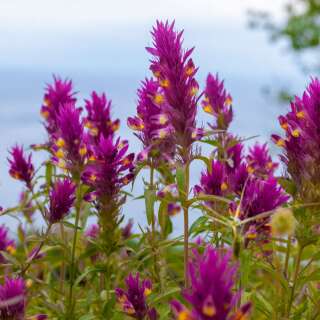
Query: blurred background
{"points": [[99, 44]]}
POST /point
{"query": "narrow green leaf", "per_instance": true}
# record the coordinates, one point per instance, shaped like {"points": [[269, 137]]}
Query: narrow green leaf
{"points": [[150, 199], [181, 179]]}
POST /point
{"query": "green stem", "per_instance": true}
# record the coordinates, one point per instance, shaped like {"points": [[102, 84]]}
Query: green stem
{"points": [[63, 264], [295, 277], [286, 264], [186, 226], [152, 188], [73, 255], [153, 231]]}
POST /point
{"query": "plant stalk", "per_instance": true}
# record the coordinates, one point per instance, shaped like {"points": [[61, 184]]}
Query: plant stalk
{"points": [[186, 226], [295, 278], [63, 265], [73, 255]]}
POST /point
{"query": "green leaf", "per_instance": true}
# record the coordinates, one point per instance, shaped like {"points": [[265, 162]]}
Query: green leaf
{"points": [[205, 160], [86, 273], [164, 296], [49, 172], [198, 224], [213, 143], [288, 186], [181, 179], [71, 225], [150, 199]]}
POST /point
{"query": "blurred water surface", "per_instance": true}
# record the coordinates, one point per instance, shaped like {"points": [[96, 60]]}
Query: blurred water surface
{"points": [[100, 45]]}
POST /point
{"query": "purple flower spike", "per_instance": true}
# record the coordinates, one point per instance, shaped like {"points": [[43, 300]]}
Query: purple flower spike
{"points": [[215, 181], [62, 196], [6, 244], [21, 167], [300, 143], [133, 301], [110, 170], [260, 196], [211, 292], [175, 71], [98, 120], [12, 299], [260, 162], [217, 102], [151, 124], [57, 94], [69, 147]]}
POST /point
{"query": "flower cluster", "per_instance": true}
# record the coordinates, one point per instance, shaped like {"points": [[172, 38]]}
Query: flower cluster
{"points": [[175, 72], [105, 174], [21, 167], [259, 161], [69, 143], [13, 299], [249, 181], [239, 194], [61, 199], [300, 144], [260, 196], [56, 95], [217, 102], [133, 301], [152, 123], [226, 175], [85, 146], [211, 293], [98, 119]]}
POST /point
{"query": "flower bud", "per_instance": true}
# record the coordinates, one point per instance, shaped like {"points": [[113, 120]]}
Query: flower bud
{"points": [[283, 222]]}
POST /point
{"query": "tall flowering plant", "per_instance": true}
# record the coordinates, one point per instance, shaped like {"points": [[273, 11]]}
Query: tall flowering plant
{"points": [[105, 175], [175, 72]]}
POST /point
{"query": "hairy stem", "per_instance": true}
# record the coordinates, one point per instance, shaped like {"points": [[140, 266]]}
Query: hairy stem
{"points": [[186, 226]]}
